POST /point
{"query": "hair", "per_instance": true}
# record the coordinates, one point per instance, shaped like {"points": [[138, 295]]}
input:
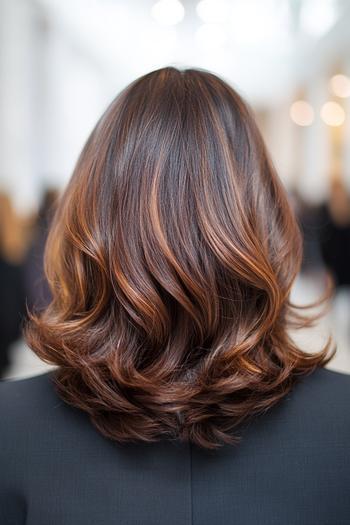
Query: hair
{"points": [[170, 258]]}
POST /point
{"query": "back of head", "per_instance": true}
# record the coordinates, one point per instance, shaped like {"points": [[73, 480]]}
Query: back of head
{"points": [[170, 259]]}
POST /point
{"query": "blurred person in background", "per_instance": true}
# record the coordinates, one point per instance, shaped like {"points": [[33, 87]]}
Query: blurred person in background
{"points": [[12, 287], [308, 215], [335, 233], [37, 289], [334, 240], [178, 395]]}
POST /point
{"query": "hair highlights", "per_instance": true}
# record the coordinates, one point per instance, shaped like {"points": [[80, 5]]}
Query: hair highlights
{"points": [[171, 258]]}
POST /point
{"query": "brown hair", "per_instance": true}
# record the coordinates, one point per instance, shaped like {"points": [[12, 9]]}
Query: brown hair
{"points": [[170, 259]]}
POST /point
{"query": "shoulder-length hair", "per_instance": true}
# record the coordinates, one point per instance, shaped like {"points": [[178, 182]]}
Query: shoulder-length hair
{"points": [[170, 259]]}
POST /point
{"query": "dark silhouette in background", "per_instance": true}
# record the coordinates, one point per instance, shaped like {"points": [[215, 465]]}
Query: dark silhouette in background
{"points": [[38, 294], [12, 309], [335, 233], [22, 283]]}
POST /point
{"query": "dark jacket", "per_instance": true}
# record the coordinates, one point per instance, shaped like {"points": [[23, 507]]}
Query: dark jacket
{"points": [[291, 468]]}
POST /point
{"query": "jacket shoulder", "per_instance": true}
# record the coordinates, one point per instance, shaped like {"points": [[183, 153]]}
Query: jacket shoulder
{"points": [[17, 395], [317, 409], [329, 387], [32, 405]]}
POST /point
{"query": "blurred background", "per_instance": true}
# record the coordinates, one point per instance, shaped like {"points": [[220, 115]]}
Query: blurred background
{"points": [[61, 63]]}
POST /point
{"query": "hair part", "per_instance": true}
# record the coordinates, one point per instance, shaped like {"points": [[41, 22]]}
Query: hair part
{"points": [[170, 259]]}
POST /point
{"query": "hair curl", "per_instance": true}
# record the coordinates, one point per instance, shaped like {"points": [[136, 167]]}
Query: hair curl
{"points": [[170, 259]]}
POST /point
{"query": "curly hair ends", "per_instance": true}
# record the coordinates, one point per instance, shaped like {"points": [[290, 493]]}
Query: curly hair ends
{"points": [[170, 258]]}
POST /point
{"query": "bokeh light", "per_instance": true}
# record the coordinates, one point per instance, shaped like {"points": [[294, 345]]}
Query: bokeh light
{"points": [[302, 113], [168, 12], [340, 85], [332, 114]]}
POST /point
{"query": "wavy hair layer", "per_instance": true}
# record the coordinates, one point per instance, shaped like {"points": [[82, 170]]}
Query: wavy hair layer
{"points": [[170, 259]]}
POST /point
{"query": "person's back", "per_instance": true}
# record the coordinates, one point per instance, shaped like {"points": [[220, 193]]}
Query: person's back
{"points": [[179, 394], [292, 466]]}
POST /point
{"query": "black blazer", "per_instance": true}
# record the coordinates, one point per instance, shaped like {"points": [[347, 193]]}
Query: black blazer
{"points": [[291, 468]]}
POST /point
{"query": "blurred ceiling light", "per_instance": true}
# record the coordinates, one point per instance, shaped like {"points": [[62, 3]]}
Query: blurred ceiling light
{"points": [[316, 18], [302, 113], [168, 12], [332, 114], [210, 36], [255, 21], [340, 85], [213, 11]]}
